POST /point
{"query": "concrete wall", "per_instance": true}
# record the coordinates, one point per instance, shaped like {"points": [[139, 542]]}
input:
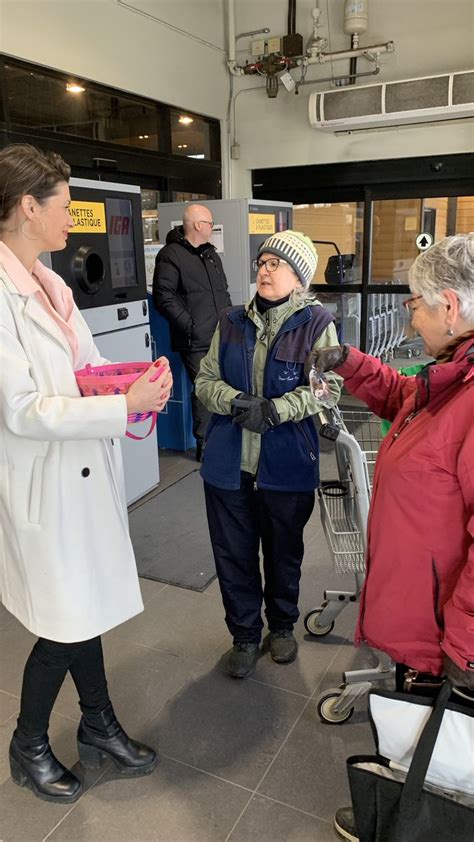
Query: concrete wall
{"points": [[107, 42], [430, 37], [160, 54]]}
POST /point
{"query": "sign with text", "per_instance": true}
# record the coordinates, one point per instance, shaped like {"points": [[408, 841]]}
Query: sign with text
{"points": [[261, 223], [89, 217]]}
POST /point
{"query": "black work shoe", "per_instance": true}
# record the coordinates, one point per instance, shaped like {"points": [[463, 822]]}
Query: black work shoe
{"points": [[283, 646], [36, 767], [242, 659], [100, 736], [344, 824]]}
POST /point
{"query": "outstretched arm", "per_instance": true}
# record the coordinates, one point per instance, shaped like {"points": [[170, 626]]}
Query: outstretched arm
{"points": [[379, 386]]}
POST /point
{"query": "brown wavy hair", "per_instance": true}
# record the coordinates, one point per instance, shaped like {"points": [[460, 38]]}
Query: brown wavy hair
{"points": [[25, 170]]}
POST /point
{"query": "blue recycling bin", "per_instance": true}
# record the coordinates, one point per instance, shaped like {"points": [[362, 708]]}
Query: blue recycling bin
{"points": [[175, 422]]}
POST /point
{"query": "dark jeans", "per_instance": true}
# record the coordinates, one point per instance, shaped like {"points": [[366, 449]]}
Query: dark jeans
{"points": [[201, 416], [45, 671], [238, 522]]}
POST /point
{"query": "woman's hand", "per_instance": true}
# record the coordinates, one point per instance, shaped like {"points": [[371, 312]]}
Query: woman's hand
{"points": [[147, 395], [326, 359]]}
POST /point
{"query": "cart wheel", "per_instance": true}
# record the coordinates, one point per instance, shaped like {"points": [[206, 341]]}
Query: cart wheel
{"points": [[326, 710], [312, 626], [409, 353], [417, 352]]}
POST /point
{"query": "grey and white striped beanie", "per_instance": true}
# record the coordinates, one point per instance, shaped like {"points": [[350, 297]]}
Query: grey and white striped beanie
{"points": [[297, 249]]}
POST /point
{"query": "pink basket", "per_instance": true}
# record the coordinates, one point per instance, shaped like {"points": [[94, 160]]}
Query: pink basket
{"points": [[116, 379]]}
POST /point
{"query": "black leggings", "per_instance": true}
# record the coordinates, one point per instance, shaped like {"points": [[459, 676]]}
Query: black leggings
{"points": [[45, 671]]}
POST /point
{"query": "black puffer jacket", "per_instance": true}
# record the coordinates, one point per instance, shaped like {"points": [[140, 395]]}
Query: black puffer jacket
{"points": [[189, 290]]}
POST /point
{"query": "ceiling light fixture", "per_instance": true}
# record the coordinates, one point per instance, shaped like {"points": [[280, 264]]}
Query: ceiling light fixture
{"points": [[74, 88], [185, 121]]}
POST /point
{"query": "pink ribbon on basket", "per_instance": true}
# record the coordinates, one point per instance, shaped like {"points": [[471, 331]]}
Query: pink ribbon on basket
{"points": [[135, 418], [116, 380]]}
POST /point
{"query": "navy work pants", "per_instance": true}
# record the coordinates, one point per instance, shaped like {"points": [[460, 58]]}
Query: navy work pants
{"points": [[239, 522]]}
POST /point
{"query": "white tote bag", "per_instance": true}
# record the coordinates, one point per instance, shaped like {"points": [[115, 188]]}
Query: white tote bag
{"points": [[398, 720]]}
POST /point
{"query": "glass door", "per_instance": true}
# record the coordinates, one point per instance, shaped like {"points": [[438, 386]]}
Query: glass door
{"points": [[337, 230], [366, 249], [401, 229]]}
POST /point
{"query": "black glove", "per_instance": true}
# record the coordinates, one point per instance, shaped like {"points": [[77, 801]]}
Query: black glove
{"points": [[457, 676], [240, 403], [257, 414], [326, 359]]}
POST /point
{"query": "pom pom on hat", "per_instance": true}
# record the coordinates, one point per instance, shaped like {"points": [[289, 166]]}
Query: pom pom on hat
{"points": [[297, 249]]}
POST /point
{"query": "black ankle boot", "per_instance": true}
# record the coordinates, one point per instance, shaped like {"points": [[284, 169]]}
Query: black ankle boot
{"points": [[33, 764], [100, 735]]}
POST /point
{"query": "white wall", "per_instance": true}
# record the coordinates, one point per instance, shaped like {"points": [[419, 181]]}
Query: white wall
{"points": [[431, 36], [106, 42]]}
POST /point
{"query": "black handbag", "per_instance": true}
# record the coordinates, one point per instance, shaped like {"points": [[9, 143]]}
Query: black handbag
{"points": [[387, 809]]}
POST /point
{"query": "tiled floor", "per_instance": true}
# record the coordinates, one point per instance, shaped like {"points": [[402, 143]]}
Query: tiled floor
{"points": [[245, 761]]}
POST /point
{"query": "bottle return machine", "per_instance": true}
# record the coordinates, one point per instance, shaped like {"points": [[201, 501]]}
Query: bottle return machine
{"points": [[104, 265], [240, 227]]}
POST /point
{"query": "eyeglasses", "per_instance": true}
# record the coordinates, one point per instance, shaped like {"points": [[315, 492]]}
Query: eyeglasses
{"points": [[408, 304], [271, 265], [207, 222]]}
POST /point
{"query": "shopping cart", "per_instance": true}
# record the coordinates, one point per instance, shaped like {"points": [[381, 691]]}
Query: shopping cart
{"points": [[344, 508]]}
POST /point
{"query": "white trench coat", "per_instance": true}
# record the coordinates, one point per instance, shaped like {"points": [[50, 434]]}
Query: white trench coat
{"points": [[67, 568]]}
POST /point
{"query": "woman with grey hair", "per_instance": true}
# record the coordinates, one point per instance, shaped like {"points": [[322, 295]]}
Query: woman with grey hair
{"points": [[418, 599]]}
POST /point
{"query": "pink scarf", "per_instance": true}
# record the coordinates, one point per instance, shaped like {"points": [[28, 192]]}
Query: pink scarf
{"points": [[50, 290]]}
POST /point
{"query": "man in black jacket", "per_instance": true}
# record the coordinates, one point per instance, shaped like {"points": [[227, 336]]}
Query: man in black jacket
{"points": [[190, 290]]}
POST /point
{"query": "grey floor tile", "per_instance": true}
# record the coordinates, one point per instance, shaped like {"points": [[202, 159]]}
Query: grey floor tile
{"points": [[226, 726], [307, 671], [168, 690], [9, 706], [175, 465], [16, 644], [150, 588], [5, 617], [175, 804], [140, 680], [24, 818], [180, 622], [213, 588], [267, 821], [310, 770], [6, 731]]}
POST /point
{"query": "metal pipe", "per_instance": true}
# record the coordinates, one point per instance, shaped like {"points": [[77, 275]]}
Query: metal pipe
{"points": [[232, 65], [373, 72], [291, 17], [231, 29], [353, 61], [363, 52], [252, 32]]}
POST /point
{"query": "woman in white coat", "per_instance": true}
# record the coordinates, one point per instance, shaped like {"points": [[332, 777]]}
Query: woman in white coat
{"points": [[67, 568]]}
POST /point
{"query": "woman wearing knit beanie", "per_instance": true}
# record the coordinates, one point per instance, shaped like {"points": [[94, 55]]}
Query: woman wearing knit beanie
{"points": [[261, 462]]}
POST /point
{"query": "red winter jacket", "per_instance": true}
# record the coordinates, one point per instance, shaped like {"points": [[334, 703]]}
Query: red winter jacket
{"points": [[418, 596]]}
